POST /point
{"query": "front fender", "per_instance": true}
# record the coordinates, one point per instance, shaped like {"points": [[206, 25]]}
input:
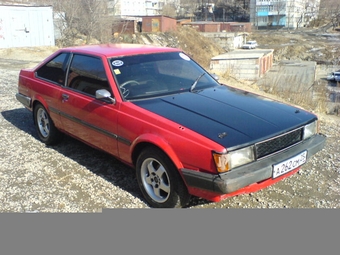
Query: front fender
{"points": [[157, 141]]}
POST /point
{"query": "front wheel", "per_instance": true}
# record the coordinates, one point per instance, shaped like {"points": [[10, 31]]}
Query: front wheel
{"points": [[160, 181], [47, 132]]}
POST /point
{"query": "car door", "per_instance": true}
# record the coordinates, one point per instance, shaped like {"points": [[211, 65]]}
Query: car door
{"points": [[82, 115]]}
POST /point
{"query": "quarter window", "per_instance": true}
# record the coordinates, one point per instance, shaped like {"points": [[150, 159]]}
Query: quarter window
{"points": [[55, 70]]}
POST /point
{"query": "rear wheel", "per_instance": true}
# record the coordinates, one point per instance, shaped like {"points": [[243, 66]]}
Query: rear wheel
{"points": [[159, 180], [47, 132]]}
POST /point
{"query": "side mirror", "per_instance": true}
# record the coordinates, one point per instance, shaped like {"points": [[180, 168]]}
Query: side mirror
{"points": [[104, 94]]}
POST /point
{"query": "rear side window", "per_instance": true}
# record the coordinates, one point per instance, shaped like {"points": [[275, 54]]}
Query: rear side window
{"points": [[87, 75], [55, 70]]}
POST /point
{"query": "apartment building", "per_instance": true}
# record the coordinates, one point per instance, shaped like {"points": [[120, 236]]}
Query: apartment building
{"points": [[283, 13], [128, 8]]}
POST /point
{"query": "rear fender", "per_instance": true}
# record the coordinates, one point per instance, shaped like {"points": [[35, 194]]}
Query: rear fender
{"points": [[40, 99]]}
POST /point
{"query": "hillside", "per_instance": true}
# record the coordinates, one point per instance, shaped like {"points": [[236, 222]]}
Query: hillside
{"points": [[198, 47]]}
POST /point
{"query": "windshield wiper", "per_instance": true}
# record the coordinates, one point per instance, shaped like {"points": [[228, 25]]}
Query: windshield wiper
{"points": [[195, 82]]}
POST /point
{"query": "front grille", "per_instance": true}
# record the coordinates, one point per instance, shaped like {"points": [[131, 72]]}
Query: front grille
{"points": [[278, 143]]}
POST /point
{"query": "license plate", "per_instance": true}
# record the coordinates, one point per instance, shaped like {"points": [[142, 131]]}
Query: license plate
{"points": [[289, 164]]}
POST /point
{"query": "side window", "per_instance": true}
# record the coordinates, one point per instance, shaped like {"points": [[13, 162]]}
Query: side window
{"points": [[55, 70], [87, 74]]}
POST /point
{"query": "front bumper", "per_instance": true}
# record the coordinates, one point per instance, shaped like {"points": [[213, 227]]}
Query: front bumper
{"points": [[255, 172]]}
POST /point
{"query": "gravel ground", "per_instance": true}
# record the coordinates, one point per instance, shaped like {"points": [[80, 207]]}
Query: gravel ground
{"points": [[73, 177]]}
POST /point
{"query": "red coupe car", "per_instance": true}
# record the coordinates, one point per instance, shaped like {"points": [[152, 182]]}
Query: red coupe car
{"points": [[157, 110]]}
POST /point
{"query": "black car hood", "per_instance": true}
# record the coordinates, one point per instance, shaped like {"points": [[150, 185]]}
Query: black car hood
{"points": [[228, 116]]}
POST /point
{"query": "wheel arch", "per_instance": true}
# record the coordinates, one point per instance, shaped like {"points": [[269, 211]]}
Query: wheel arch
{"points": [[178, 195], [39, 100], [155, 141]]}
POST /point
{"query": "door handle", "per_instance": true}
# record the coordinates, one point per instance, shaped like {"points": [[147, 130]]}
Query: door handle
{"points": [[65, 97]]}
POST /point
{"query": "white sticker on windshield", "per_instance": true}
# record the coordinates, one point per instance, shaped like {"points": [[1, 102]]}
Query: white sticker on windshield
{"points": [[117, 63], [185, 57]]}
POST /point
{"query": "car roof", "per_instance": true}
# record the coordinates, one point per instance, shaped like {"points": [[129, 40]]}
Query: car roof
{"points": [[112, 50]]}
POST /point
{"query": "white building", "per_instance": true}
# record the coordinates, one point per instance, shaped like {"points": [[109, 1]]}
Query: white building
{"points": [[26, 26], [283, 13], [154, 7], [128, 8]]}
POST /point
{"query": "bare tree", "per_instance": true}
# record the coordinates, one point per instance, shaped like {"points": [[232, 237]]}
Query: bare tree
{"points": [[310, 12], [169, 10], [333, 11], [66, 15], [89, 18], [93, 17], [236, 10], [290, 14], [190, 7], [328, 15], [279, 7]]}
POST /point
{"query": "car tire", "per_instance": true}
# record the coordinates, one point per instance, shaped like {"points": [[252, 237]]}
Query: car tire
{"points": [[159, 180], [45, 127]]}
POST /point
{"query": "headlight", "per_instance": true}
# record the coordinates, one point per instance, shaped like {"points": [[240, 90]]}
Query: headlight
{"points": [[310, 130], [226, 161]]}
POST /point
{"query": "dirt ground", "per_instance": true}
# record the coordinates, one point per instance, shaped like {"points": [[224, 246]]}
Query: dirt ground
{"points": [[321, 45]]}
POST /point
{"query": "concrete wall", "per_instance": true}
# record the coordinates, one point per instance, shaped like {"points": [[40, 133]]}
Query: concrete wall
{"points": [[227, 41], [243, 64], [240, 27], [26, 26], [211, 27], [205, 27]]}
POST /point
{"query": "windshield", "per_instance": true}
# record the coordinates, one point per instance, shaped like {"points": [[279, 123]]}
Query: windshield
{"points": [[158, 74]]}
